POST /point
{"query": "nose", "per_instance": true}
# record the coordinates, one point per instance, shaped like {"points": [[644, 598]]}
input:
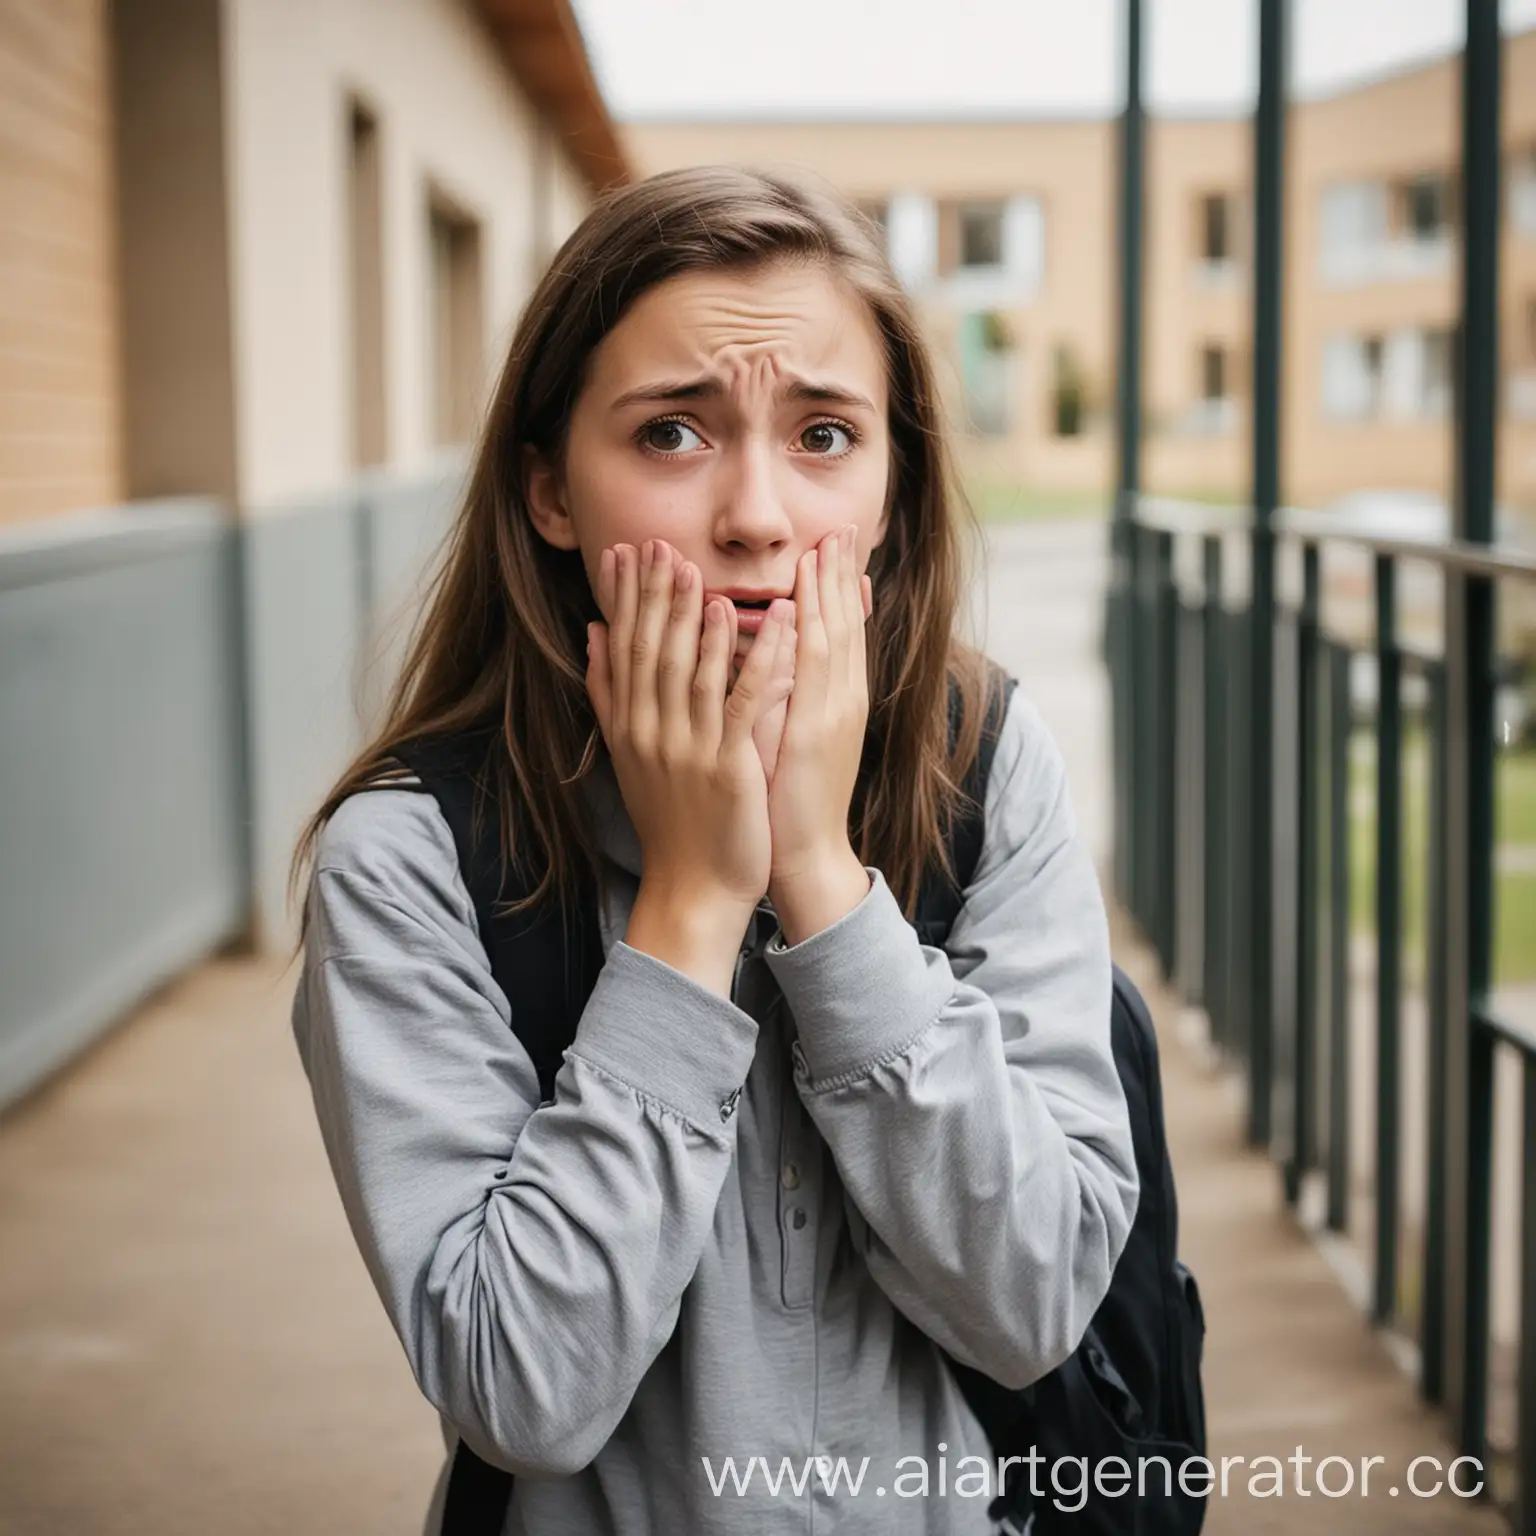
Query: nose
{"points": [[751, 515]]}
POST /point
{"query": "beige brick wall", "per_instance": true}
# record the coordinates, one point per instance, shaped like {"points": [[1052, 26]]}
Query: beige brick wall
{"points": [[59, 392]]}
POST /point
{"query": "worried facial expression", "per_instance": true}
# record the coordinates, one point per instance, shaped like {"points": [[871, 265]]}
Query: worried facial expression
{"points": [[740, 416]]}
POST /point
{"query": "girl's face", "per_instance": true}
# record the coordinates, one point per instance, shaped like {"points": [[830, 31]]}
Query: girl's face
{"points": [[739, 416]]}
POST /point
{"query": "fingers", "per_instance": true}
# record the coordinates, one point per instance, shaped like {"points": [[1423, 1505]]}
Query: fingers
{"points": [[621, 563], [754, 692], [831, 581], [679, 660], [851, 583], [600, 679], [712, 678], [654, 579]]}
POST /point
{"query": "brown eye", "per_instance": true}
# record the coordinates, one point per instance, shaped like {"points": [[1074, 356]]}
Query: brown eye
{"points": [[669, 437], [826, 439]]}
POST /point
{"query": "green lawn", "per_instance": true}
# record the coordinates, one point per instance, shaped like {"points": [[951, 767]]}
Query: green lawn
{"points": [[998, 501], [1515, 826]]}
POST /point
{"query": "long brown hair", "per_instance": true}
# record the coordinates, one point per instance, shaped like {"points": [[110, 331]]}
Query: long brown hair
{"points": [[500, 645]]}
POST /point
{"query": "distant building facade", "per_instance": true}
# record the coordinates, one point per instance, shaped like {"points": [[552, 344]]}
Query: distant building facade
{"points": [[1004, 232]]}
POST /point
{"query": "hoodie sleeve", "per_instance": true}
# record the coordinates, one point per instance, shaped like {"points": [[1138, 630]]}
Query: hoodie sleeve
{"points": [[531, 1258], [969, 1094]]}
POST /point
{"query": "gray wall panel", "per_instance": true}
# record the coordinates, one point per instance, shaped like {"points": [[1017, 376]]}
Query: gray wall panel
{"points": [[176, 696], [305, 617], [407, 525], [120, 773]]}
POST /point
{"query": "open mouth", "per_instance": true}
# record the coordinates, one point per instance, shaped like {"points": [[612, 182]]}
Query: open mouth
{"points": [[752, 602]]}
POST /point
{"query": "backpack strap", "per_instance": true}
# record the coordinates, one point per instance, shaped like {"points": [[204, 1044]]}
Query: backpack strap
{"points": [[939, 901], [554, 954]]}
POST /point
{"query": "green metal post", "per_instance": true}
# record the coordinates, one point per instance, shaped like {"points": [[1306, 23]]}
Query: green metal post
{"points": [[1123, 580], [1469, 666], [1269, 196]]}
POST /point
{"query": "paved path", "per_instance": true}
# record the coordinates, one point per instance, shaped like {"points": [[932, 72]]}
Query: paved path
{"points": [[189, 1345]]}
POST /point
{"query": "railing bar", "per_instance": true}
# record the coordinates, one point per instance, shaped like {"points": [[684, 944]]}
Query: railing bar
{"points": [[1168, 749], [1474, 1407], [1475, 559], [1432, 1310], [1525, 1493], [1303, 1111], [1239, 882], [1506, 1031], [1389, 916], [1338, 924], [1213, 620]]}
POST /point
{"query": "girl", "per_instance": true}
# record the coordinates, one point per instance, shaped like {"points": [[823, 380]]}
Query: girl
{"points": [[704, 587]]}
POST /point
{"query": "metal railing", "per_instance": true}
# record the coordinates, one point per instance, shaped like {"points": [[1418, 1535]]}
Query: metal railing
{"points": [[1189, 827]]}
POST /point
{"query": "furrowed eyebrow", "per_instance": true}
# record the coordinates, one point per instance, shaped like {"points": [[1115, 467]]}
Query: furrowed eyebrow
{"points": [[681, 389], [828, 394], [671, 390]]}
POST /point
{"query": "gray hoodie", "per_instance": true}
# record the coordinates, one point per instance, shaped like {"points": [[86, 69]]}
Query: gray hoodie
{"points": [[702, 1290]]}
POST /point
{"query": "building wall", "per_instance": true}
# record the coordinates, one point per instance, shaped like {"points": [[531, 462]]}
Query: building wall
{"points": [[1068, 166], [172, 228], [59, 393], [1384, 132], [450, 118], [1387, 132], [1191, 304]]}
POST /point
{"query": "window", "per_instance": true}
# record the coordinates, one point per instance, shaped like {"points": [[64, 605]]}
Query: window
{"points": [[1068, 403], [457, 320], [1522, 379], [1215, 228], [1213, 373], [986, 365], [1354, 220], [1435, 372], [365, 238], [1352, 377], [981, 234], [1522, 191], [1424, 207]]}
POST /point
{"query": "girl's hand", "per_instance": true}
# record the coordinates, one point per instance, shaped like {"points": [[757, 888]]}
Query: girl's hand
{"points": [[823, 738], [769, 732], [682, 748]]}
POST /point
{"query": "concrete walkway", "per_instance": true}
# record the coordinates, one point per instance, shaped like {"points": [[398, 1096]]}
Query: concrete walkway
{"points": [[189, 1344]]}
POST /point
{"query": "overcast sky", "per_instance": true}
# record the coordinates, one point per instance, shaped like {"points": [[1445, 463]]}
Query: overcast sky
{"points": [[883, 58]]}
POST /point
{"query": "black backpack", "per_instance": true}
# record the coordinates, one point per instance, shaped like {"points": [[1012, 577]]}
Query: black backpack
{"points": [[1132, 1388]]}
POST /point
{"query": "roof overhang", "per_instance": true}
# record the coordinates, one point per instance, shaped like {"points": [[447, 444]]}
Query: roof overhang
{"points": [[543, 49]]}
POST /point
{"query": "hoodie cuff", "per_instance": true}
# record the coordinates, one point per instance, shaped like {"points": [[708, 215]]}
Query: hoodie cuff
{"points": [[668, 1038], [861, 990]]}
